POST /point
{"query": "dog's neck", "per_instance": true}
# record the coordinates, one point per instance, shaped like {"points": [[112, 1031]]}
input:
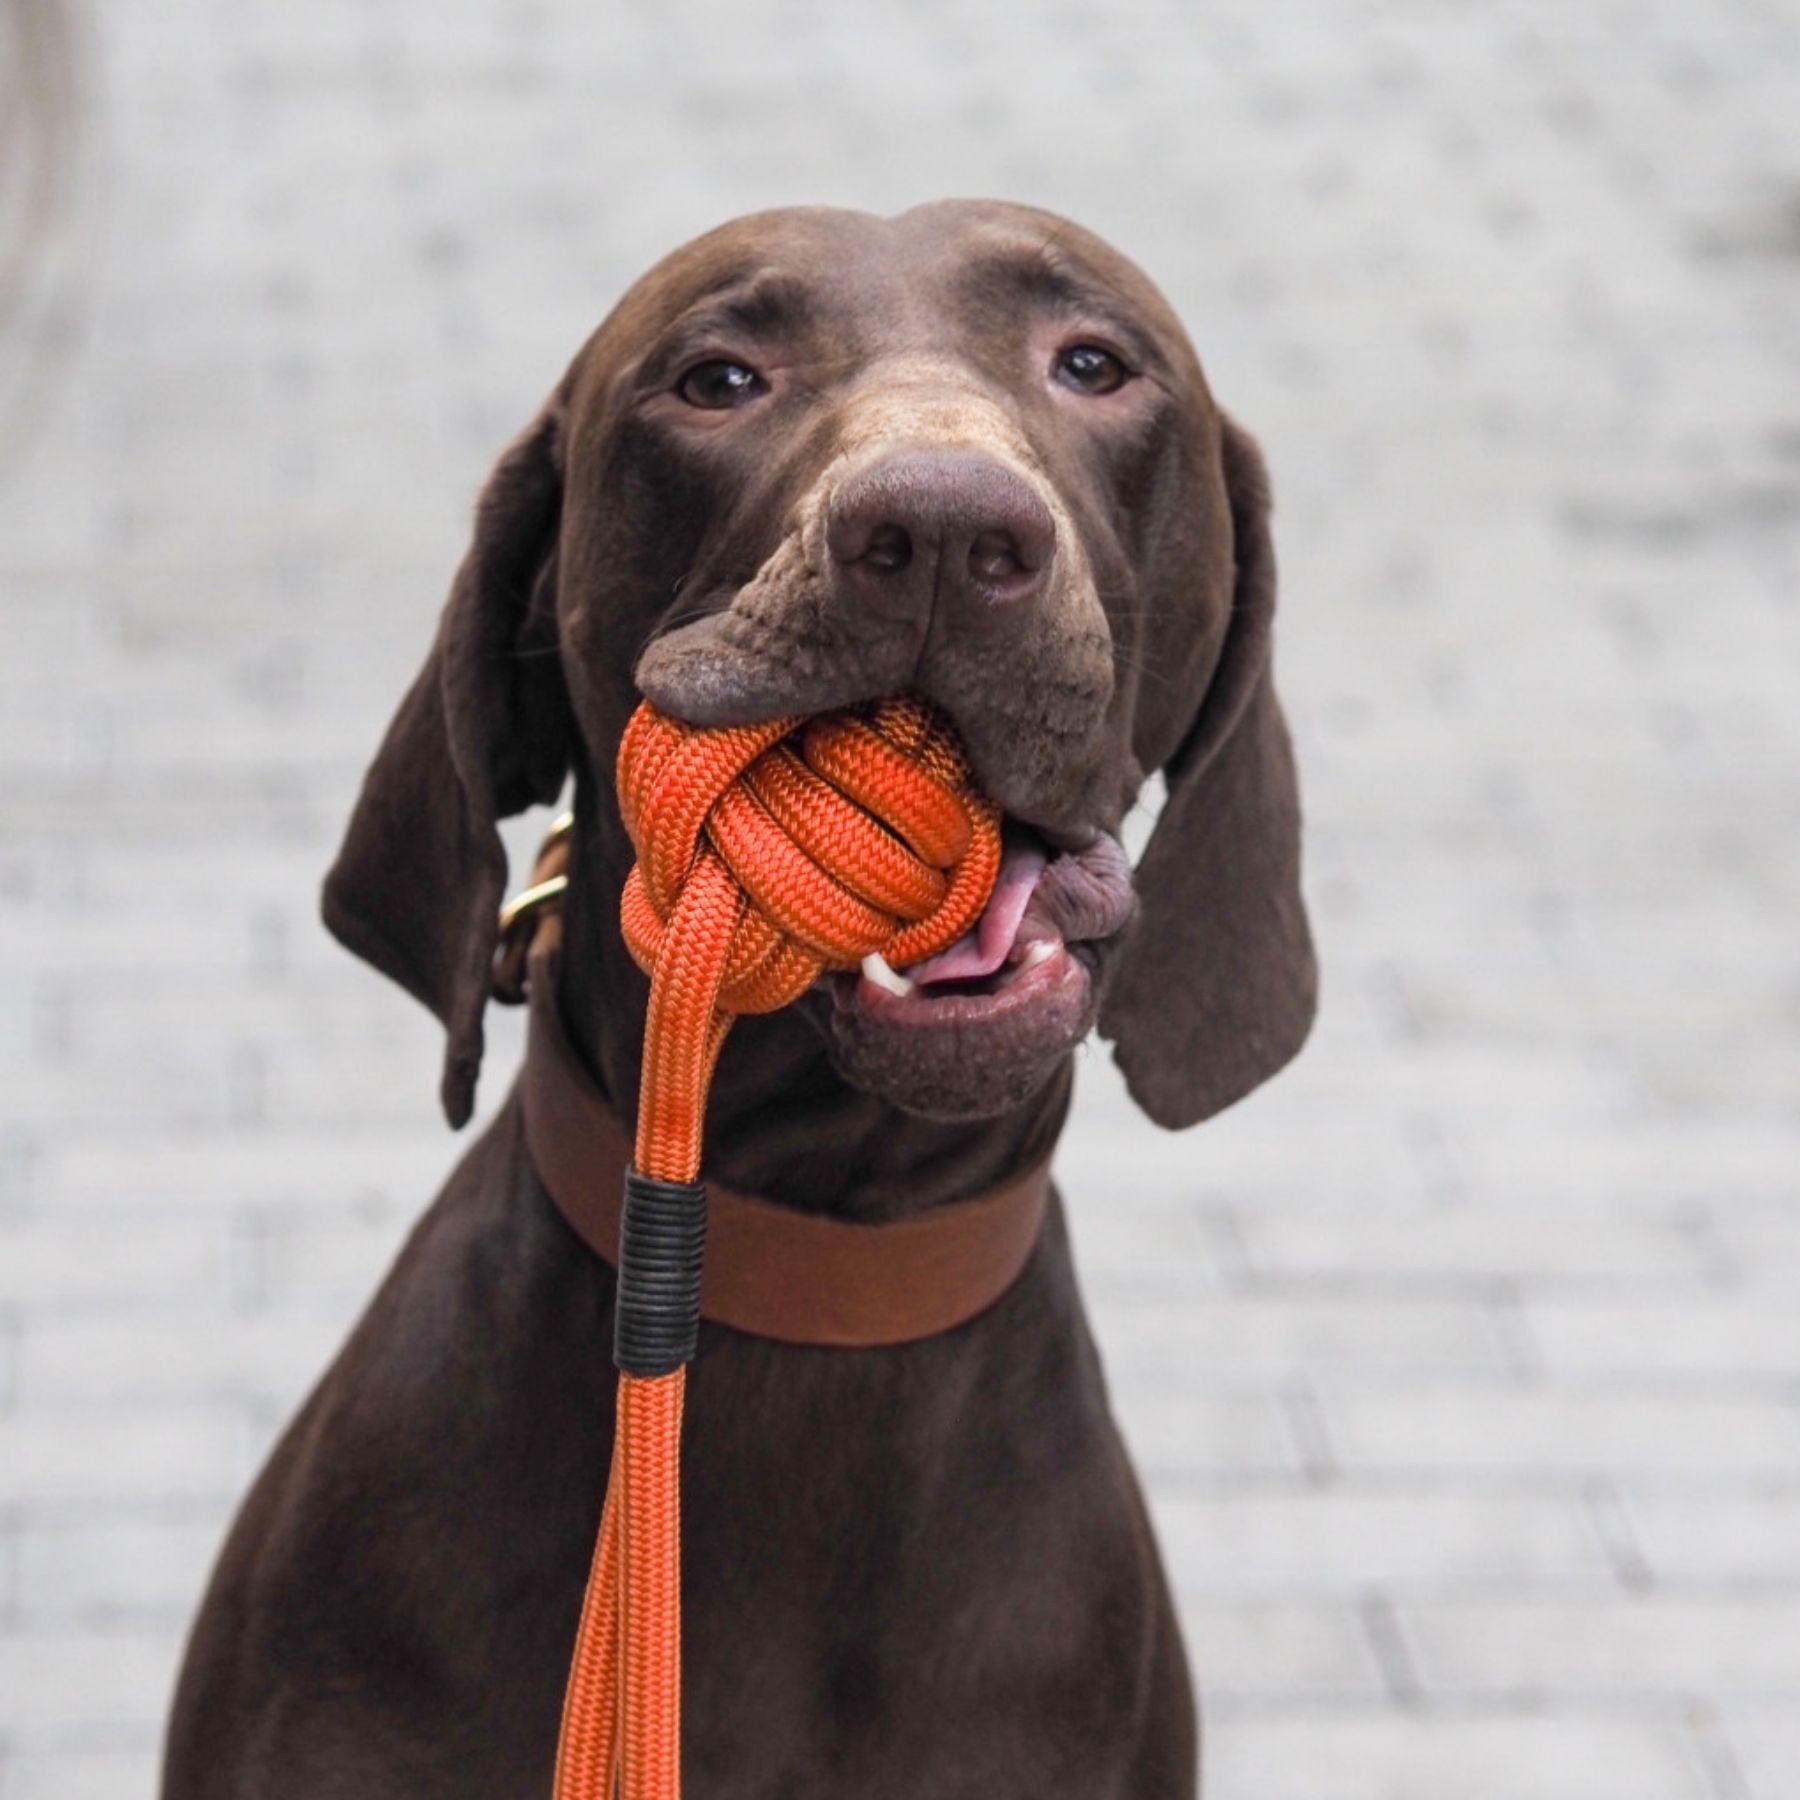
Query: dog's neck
{"points": [[781, 1122]]}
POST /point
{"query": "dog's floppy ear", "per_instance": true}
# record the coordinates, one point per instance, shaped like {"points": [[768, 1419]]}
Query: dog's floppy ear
{"points": [[483, 732], [1216, 986]]}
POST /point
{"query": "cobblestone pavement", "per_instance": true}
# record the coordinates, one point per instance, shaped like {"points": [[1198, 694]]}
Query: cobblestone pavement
{"points": [[1464, 1361]]}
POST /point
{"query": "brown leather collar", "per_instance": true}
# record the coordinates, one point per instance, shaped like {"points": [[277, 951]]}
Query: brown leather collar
{"points": [[771, 1271]]}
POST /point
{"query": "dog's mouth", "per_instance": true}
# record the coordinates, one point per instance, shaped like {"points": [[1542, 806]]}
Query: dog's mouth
{"points": [[984, 1024], [1038, 938]]}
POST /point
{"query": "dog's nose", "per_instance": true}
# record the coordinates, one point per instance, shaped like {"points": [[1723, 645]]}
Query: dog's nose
{"points": [[952, 526]]}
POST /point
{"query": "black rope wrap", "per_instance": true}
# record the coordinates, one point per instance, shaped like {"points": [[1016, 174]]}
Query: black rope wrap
{"points": [[662, 1242]]}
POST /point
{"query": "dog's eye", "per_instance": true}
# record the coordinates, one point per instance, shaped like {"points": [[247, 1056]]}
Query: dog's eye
{"points": [[719, 385], [1090, 370]]}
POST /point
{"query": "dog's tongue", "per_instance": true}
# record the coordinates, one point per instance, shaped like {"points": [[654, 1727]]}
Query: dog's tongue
{"points": [[984, 947]]}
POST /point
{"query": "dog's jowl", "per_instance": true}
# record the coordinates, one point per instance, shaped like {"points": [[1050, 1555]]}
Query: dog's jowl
{"points": [[811, 460]]}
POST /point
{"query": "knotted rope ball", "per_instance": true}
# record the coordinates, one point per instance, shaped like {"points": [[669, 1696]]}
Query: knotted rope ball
{"points": [[770, 853]]}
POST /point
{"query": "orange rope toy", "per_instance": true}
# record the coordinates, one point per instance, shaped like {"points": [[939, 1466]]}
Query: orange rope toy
{"points": [[767, 854]]}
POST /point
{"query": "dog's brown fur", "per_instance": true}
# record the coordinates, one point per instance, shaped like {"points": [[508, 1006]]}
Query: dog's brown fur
{"points": [[922, 1571]]}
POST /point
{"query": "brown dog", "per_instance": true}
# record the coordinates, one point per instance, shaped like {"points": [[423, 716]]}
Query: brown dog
{"points": [[812, 458]]}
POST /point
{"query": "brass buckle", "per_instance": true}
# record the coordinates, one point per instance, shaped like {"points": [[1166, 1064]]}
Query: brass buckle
{"points": [[519, 916]]}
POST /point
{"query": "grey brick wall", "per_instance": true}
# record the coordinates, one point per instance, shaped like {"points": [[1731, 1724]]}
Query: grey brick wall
{"points": [[1464, 1362]]}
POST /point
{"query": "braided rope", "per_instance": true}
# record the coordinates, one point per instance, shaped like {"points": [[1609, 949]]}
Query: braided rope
{"points": [[767, 855]]}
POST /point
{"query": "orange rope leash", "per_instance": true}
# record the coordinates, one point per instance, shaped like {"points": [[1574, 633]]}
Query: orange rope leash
{"points": [[767, 854]]}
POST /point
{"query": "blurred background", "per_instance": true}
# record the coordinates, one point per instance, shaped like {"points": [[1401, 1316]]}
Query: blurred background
{"points": [[1464, 1361]]}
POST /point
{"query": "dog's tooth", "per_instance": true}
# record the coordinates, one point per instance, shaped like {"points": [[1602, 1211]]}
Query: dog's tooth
{"points": [[1037, 951], [878, 969]]}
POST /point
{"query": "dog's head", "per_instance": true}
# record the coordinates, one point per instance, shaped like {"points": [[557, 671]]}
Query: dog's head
{"points": [[816, 457]]}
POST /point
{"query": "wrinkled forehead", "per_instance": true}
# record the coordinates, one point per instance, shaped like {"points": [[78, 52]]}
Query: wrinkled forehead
{"points": [[856, 283]]}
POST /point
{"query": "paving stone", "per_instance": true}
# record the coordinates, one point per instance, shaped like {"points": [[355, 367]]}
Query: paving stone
{"points": [[1752, 1539], [1272, 1538], [1508, 1430], [1290, 1653], [1599, 1646], [115, 1260], [60, 1456], [1765, 1743], [1178, 1429], [1726, 1338], [97, 1774], [1401, 1758], [96, 1571], [1470, 1248], [61, 1680], [1282, 1337], [266, 1354]]}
